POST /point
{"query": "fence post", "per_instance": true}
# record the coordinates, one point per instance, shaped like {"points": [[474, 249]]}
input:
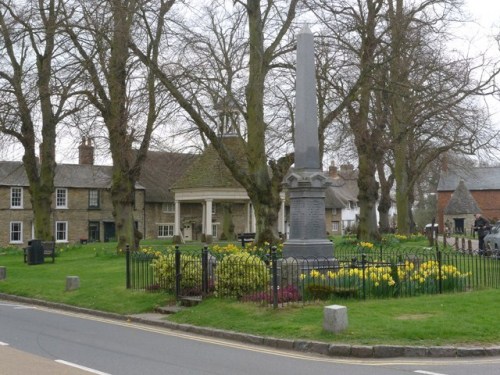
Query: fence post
{"points": [[274, 267], [204, 271], [363, 267], [127, 265], [178, 274], [440, 280]]}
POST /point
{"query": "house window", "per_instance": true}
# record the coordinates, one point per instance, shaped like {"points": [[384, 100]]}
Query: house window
{"points": [[335, 226], [16, 197], [61, 198], [94, 233], [214, 211], [334, 211], [16, 232], [168, 207], [61, 231], [165, 230], [214, 230], [93, 198]]}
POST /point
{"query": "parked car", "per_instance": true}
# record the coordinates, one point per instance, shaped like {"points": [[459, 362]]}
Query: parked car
{"points": [[492, 239]]}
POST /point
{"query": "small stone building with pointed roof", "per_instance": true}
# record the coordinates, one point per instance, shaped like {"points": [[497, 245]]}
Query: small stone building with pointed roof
{"points": [[460, 210], [483, 185]]}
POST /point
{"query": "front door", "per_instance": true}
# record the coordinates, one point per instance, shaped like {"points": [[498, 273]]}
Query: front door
{"points": [[94, 233], [187, 232], [459, 225], [109, 231]]}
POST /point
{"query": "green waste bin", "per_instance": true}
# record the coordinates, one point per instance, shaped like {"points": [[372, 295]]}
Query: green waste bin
{"points": [[35, 252]]}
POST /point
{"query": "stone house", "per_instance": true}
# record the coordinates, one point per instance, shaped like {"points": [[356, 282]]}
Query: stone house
{"points": [[483, 186], [81, 204], [341, 199], [192, 195]]}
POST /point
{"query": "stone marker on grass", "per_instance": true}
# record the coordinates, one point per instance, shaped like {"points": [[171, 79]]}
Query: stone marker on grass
{"points": [[335, 318], [3, 273], [72, 283]]}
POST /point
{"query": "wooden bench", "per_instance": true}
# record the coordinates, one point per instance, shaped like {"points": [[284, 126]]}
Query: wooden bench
{"points": [[246, 238], [49, 250]]}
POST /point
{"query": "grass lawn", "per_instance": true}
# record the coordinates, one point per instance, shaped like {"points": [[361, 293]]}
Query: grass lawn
{"points": [[466, 318], [102, 280]]}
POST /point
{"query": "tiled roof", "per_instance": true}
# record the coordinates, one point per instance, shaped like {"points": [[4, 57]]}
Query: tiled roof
{"points": [[344, 189], [461, 202], [160, 171], [208, 170], [67, 175], [12, 173], [482, 178]]}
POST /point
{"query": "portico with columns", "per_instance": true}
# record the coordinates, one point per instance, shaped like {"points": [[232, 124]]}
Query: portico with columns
{"points": [[209, 198], [211, 195]]}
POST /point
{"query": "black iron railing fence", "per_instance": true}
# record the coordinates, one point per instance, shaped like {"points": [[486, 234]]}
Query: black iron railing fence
{"points": [[359, 273]]}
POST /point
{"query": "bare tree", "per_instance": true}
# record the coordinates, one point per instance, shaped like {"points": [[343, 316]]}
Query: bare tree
{"points": [[235, 65], [355, 30], [37, 79], [431, 96], [120, 91]]}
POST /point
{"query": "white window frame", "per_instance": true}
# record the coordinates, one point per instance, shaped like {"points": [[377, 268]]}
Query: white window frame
{"points": [[168, 207], [19, 231], [214, 229], [165, 230], [59, 203], [334, 211], [94, 199], [65, 231], [21, 198], [335, 226]]}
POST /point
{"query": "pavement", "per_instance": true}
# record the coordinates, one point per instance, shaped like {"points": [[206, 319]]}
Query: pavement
{"points": [[329, 349], [16, 362]]}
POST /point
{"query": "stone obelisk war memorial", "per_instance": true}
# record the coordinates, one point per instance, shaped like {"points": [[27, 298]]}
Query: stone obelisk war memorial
{"points": [[306, 183]]}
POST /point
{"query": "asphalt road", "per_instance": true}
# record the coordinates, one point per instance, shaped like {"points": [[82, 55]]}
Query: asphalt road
{"points": [[37, 340]]}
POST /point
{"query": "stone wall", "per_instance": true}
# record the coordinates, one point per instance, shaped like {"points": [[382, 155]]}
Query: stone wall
{"points": [[77, 215]]}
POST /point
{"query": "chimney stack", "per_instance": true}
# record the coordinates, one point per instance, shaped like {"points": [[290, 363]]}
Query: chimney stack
{"points": [[86, 151], [332, 171]]}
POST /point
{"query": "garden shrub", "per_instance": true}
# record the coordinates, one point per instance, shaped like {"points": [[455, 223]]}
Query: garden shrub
{"points": [[164, 272], [240, 274]]}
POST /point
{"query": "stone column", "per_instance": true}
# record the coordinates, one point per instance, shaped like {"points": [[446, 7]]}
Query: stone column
{"points": [[208, 220], [177, 222], [203, 217], [306, 183], [253, 226], [281, 217]]}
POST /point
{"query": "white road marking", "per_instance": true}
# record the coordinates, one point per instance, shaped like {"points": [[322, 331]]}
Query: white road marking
{"points": [[81, 367], [278, 352], [3, 344], [19, 307], [428, 372]]}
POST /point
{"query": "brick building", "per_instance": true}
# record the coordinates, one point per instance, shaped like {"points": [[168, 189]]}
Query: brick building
{"points": [[483, 185]]}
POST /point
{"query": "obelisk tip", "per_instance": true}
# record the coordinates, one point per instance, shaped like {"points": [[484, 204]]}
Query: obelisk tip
{"points": [[305, 30]]}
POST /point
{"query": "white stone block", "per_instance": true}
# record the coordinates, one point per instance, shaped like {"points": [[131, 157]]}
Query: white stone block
{"points": [[72, 283], [335, 318]]}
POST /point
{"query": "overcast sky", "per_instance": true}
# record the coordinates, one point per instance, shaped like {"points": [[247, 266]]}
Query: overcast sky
{"points": [[485, 12]]}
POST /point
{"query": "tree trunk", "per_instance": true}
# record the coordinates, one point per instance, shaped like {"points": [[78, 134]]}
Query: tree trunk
{"points": [[368, 194]]}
